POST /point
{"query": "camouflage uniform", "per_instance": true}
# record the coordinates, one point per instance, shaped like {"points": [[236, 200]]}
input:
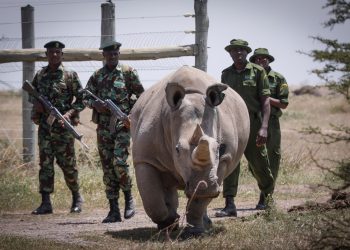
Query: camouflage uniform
{"points": [[251, 84], [123, 87], [60, 88], [279, 90]]}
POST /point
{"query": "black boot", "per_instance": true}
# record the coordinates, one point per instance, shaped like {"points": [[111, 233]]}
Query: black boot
{"points": [[45, 207], [229, 210], [129, 205], [262, 202], [114, 214], [77, 202]]}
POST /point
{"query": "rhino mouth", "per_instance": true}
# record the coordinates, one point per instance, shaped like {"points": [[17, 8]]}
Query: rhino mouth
{"points": [[202, 190], [202, 196]]}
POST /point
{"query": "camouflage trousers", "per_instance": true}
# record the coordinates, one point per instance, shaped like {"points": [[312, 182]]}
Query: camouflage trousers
{"points": [[113, 149], [56, 143], [258, 163]]}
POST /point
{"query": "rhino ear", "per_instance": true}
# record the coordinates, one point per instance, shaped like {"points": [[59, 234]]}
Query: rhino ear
{"points": [[174, 94], [197, 134], [214, 94]]}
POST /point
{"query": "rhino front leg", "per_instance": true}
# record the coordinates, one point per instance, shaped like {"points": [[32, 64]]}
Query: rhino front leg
{"points": [[159, 202], [197, 219]]}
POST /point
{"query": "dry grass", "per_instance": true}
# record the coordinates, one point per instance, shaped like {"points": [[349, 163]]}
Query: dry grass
{"points": [[298, 182]]}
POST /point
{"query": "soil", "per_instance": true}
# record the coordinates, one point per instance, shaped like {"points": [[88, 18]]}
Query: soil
{"points": [[62, 226]]}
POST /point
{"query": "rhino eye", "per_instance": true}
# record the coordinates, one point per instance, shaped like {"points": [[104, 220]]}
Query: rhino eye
{"points": [[177, 147]]}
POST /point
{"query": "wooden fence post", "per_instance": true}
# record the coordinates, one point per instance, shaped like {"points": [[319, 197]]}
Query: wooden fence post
{"points": [[28, 41], [107, 22], [202, 26]]}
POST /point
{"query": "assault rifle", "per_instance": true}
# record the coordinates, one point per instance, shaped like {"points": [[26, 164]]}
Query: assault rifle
{"points": [[53, 111], [117, 114]]}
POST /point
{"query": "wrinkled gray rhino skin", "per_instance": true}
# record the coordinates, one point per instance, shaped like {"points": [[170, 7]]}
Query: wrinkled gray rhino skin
{"points": [[189, 132]]}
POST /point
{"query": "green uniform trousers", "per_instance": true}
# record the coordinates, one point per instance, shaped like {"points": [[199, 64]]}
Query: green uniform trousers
{"points": [[114, 152], [258, 164], [274, 145]]}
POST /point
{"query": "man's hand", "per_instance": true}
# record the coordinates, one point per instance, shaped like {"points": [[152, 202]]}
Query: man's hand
{"points": [[261, 137], [68, 115], [100, 106], [127, 123], [38, 107], [35, 118]]}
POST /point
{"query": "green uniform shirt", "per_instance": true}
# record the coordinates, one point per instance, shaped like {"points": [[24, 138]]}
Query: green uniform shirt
{"points": [[251, 84], [121, 85], [60, 87], [279, 90]]}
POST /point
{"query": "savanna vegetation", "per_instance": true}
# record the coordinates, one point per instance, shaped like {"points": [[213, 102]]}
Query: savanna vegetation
{"points": [[301, 182], [311, 198]]}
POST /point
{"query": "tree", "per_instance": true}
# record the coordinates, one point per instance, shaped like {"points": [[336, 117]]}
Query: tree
{"points": [[335, 232], [336, 55]]}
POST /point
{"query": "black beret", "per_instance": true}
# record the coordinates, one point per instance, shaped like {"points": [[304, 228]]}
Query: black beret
{"points": [[112, 45], [54, 44]]}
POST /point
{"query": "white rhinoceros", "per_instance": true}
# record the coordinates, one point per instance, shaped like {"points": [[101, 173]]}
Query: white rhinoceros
{"points": [[187, 128]]}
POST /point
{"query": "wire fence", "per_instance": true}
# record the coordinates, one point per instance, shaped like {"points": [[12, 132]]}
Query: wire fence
{"points": [[85, 68], [150, 71]]}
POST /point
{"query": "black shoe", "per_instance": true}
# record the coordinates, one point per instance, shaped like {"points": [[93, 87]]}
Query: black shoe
{"points": [[262, 202], [112, 217], [129, 205], [45, 206], [114, 214], [77, 203], [229, 210]]}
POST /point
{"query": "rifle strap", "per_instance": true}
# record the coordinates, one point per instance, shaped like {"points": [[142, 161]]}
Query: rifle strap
{"points": [[68, 77], [125, 70]]}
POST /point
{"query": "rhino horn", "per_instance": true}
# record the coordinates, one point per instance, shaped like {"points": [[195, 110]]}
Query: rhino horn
{"points": [[174, 94], [214, 94], [201, 154], [197, 134]]}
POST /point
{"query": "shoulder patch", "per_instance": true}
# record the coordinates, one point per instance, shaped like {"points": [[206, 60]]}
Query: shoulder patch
{"points": [[284, 85], [126, 68]]}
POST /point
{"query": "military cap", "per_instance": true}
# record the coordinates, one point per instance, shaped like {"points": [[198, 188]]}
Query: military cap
{"points": [[238, 43], [112, 45], [261, 52], [54, 44]]}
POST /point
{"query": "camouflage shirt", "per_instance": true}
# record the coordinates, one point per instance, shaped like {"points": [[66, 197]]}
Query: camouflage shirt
{"points": [[61, 88], [251, 84], [279, 90], [121, 85]]}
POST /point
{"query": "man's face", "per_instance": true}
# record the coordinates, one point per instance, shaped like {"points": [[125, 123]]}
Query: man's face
{"points": [[263, 61], [238, 54], [111, 57], [54, 55]]}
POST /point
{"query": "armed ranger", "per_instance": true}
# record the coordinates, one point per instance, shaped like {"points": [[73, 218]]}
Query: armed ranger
{"points": [[116, 112], [53, 111]]}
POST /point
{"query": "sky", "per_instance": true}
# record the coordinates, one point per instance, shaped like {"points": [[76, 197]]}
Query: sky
{"points": [[282, 26]]}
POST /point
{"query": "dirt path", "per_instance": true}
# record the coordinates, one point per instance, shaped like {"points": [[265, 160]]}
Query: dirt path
{"points": [[70, 228]]}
